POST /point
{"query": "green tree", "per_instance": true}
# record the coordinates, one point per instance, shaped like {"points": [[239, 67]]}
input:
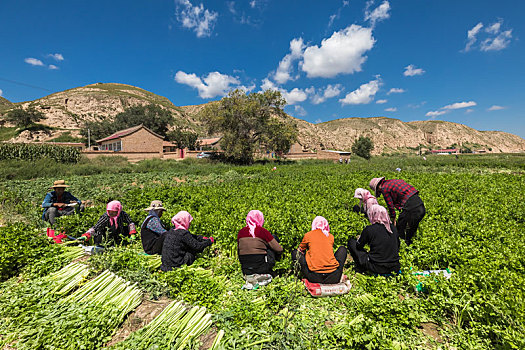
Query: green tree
{"points": [[151, 116], [362, 147], [24, 118], [250, 123], [183, 138]]}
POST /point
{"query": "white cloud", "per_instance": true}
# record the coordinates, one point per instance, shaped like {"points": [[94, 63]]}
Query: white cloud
{"points": [[493, 38], [52, 67], [300, 111], [471, 35], [434, 114], [329, 92], [395, 91], [1, 92], [411, 70], [231, 7], [56, 56], [416, 105], [391, 109], [380, 102], [317, 121], [197, 18], [459, 105], [380, 13], [496, 108], [470, 110], [292, 97], [342, 53], [214, 84], [501, 41], [253, 3], [33, 61], [363, 95], [283, 72]]}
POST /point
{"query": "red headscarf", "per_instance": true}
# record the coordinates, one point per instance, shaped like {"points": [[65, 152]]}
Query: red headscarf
{"points": [[255, 218], [114, 206], [182, 220]]}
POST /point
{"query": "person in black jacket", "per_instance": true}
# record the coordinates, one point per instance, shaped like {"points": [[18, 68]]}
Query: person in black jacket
{"points": [[180, 246], [383, 240], [152, 233]]}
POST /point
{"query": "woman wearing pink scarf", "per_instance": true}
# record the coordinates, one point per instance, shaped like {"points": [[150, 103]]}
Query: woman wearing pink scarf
{"points": [[180, 246], [258, 249], [366, 201], [114, 220], [382, 237], [316, 255]]}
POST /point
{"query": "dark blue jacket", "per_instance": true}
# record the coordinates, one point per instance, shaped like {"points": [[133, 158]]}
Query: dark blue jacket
{"points": [[51, 198]]}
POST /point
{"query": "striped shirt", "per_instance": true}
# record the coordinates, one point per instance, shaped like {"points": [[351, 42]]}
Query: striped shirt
{"points": [[103, 223]]}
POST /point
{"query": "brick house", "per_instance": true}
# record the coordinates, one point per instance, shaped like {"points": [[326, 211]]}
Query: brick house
{"points": [[209, 144], [135, 139]]}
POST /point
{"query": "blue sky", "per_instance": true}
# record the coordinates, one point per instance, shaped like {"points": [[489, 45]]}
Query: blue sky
{"points": [[461, 61]]}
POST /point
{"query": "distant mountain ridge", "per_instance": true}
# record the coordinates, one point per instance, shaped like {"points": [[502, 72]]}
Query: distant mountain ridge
{"points": [[68, 110]]}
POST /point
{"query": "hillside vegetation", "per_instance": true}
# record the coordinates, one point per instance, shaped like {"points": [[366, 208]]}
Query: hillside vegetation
{"points": [[69, 110]]}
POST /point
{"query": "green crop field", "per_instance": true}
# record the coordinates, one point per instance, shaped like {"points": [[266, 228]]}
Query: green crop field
{"points": [[475, 227]]}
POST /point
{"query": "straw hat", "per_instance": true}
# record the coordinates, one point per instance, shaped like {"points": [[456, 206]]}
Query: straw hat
{"points": [[374, 183], [155, 205], [59, 183]]}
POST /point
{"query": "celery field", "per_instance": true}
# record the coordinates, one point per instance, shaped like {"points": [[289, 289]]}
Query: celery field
{"points": [[54, 297]]}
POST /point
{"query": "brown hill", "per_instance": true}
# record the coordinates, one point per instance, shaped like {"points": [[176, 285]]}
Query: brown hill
{"points": [[66, 111]]}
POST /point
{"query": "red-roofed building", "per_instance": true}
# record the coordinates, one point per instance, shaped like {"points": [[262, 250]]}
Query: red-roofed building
{"points": [[211, 143], [135, 139]]}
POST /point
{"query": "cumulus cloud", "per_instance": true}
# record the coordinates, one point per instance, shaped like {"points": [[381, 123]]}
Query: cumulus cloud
{"points": [[342, 53], [196, 18], [214, 84], [434, 114], [329, 92], [53, 67], [379, 14], [363, 95], [411, 71], [317, 121], [459, 105], [380, 102], [395, 91], [391, 109], [283, 72], [56, 56], [496, 108], [300, 111], [492, 37], [34, 62], [292, 97], [1, 92]]}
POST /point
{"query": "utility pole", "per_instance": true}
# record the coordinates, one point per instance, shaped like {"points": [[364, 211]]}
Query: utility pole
{"points": [[89, 140]]}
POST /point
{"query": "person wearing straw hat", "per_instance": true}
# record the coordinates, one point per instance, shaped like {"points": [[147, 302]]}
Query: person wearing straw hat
{"points": [[59, 202], [404, 197], [152, 232]]}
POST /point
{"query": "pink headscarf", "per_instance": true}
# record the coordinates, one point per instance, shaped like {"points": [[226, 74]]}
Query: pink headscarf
{"points": [[255, 218], [114, 206], [321, 224], [182, 220], [365, 198], [378, 214]]}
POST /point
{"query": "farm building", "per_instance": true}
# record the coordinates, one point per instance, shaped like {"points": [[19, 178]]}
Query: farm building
{"points": [[168, 146], [210, 143], [135, 139], [445, 151]]}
